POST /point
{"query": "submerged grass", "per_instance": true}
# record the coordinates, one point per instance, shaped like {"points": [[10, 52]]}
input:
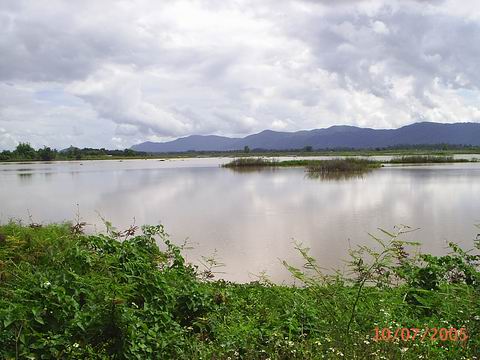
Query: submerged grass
{"points": [[67, 295]]}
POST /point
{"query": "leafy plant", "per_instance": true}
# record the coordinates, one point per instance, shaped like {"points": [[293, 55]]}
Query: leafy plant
{"points": [[129, 294]]}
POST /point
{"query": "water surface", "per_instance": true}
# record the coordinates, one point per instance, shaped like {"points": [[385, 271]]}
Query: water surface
{"points": [[251, 219]]}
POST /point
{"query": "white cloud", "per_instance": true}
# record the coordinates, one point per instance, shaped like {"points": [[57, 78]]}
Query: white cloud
{"points": [[109, 74], [380, 28]]}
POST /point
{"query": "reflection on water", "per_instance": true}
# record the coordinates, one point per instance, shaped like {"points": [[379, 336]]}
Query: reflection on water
{"points": [[252, 169], [252, 218], [24, 177], [337, 175], [318, 175]]}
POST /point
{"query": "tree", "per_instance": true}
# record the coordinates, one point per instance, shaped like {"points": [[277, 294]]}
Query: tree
{"points": [[73, 153], [308, 148], [25, 152], [5, 155], [46, 154], [246, 149], [129, 152]]}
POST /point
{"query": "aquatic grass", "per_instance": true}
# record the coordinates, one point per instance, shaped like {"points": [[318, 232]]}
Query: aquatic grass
{"points": [[339, 167], [251, 162], [348, 165], [335, 168], [425, 159]]}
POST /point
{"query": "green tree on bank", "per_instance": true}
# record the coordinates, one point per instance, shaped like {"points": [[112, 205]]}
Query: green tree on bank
{"points": [[47, 154], [25, 152]]}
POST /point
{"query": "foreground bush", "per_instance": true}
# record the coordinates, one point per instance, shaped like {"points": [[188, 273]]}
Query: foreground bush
{"points": [[66, 295]]}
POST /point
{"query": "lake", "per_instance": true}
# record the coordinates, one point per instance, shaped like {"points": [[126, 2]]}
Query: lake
{"points": [[250, 220]]}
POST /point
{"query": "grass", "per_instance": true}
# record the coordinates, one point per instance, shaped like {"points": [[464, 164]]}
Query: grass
{"points": [[262, 162], [250, 162], [118, 295], [425, 159], [336, 168], [340, 166], [438, 149], [325, 169]]}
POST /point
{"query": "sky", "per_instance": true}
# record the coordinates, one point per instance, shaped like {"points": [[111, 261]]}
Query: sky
{"points": [[115, 73]]}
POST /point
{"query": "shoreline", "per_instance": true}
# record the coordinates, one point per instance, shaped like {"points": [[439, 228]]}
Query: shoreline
{"points": [[183, 156]]}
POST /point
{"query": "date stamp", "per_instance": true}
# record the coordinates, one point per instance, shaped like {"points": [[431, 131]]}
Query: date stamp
{"points": [[417, 334]]}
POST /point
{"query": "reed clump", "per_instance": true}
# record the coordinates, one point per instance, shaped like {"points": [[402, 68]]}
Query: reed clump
{"points": [[320, 166], [425, 159], [342, 166], [251, 162]]}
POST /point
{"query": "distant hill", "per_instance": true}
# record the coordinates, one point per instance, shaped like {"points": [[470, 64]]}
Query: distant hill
{"points": [[423, 133]]}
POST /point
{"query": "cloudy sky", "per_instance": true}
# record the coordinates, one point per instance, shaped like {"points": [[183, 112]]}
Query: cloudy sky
{"points": [[115, 73]]}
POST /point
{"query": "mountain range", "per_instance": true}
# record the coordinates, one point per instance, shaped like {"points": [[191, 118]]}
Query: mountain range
{"points": [[334, 137]]}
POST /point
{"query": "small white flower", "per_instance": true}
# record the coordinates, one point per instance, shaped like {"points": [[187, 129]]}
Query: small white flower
{"points": [[76, 345], [47, 284]]}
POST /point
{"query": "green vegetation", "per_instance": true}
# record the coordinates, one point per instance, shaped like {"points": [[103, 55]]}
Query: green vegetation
{"points": [[67, 295], [336, 167], [349, 165], [340, 165], [425, 159], [24, 152], [250, 162], [324, 169], [436, 149]]}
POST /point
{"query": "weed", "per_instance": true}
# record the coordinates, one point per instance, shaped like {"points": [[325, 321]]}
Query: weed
{"points": [[65, 294]]}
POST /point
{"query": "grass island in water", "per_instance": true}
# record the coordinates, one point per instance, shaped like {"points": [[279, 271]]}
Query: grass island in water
{"points": [[336, 168]]}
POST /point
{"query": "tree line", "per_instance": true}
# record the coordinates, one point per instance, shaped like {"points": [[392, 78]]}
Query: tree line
{"points": [[25, 152]]}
